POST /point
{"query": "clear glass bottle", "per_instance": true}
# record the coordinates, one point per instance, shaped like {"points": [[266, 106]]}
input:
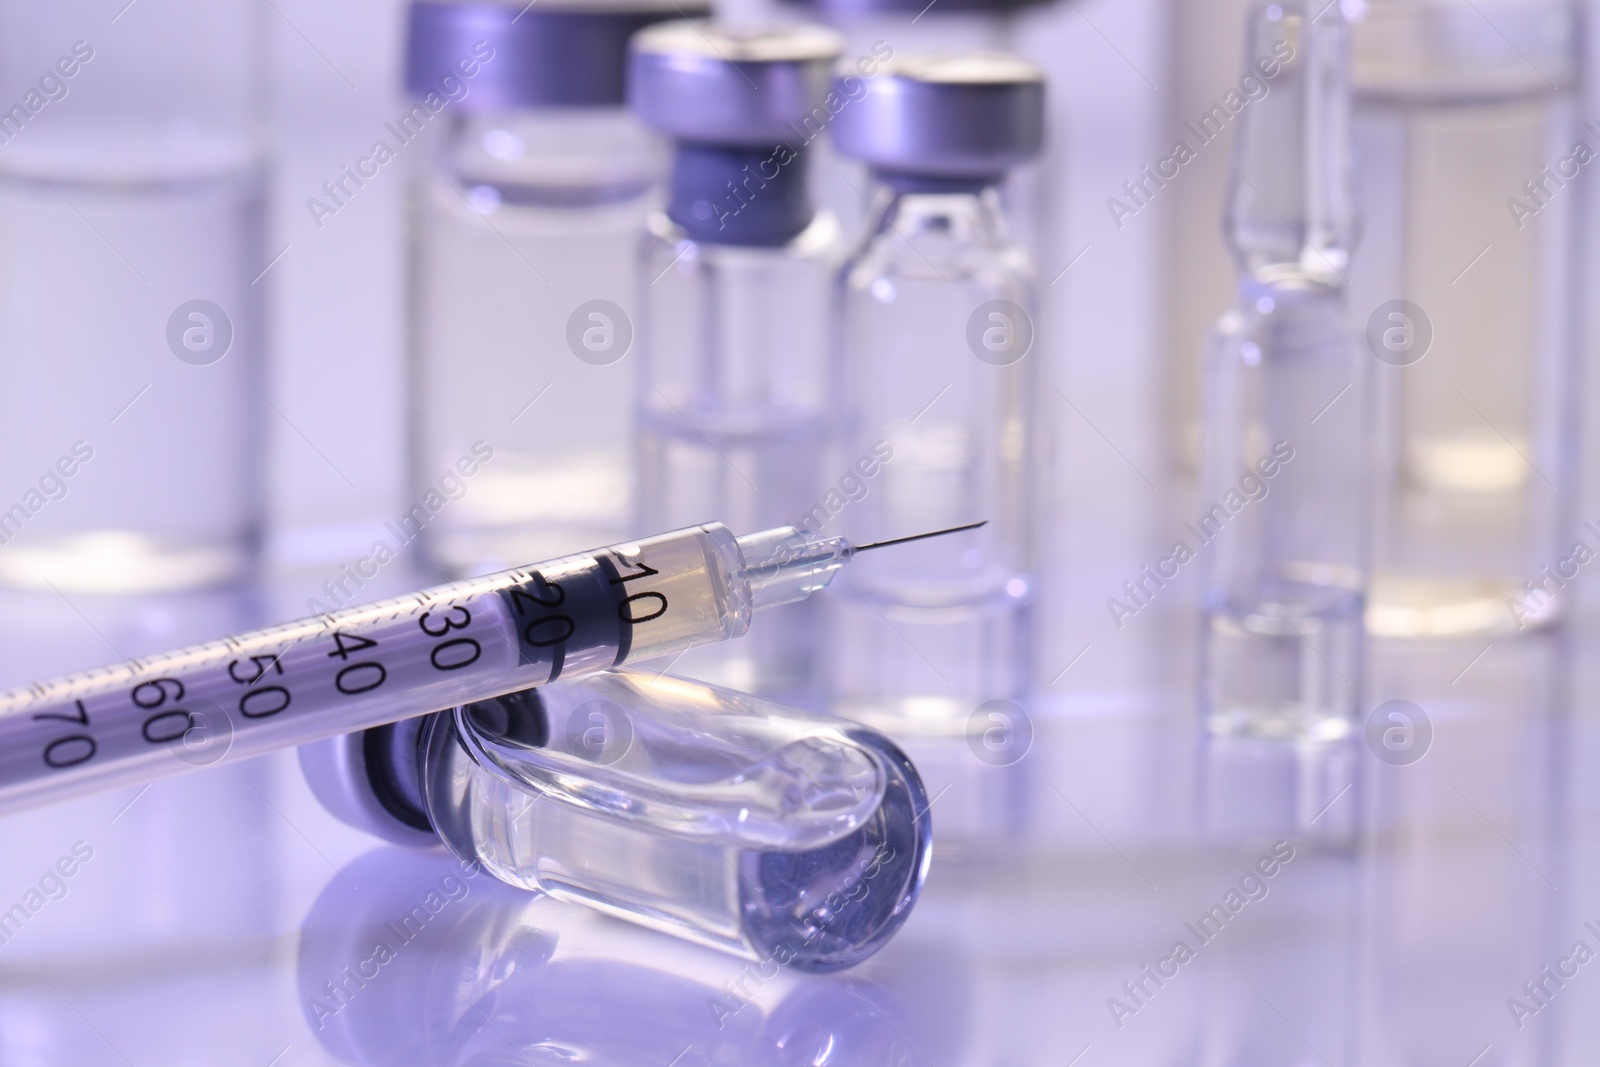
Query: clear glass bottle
{"points": [[936, 340], [736, 404], [1467, 128], [132, 161], [707, 814], [1282, 524], [525, 219]]}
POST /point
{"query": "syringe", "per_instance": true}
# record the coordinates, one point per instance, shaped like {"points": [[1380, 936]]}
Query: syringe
{"points": [[372, 664]]}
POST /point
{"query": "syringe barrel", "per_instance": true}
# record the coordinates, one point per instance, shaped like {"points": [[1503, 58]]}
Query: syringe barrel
{"points": [[368, 665]]}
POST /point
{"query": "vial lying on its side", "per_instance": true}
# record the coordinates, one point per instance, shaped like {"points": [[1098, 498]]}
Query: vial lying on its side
{"points": [[728, 820]]}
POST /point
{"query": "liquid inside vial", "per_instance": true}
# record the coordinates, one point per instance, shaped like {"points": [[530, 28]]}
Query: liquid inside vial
{"points": [[523, 244], [772, 839], [160, 360], [1285, 664]]}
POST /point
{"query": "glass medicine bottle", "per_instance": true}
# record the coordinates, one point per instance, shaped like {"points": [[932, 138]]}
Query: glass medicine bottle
{"points": [[1467, 127], [784, 836], [935, 338], [737, 405], [534, 185], [132, 184]]}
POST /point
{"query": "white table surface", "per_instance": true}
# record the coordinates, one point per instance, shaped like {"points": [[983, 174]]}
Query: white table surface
{"points": [[1418, 900]]}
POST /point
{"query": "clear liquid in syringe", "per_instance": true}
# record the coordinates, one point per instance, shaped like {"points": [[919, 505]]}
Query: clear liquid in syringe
{"points": [[364, 666]]}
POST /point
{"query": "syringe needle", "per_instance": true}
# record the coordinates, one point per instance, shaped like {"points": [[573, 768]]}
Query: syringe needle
{"points": [[921, 536]]}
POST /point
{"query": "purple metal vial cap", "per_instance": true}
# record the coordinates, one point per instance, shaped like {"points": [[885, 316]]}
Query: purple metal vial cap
{"points": [[484, 55], [960, 115], [730, 85]]}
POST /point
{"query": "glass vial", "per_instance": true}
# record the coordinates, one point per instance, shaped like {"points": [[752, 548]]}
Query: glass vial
{"points": [[1467, 129], [1282, 526], [935, 338], [524, 223], [714, 816], [131, 335], [736, 404], [698, 811]]}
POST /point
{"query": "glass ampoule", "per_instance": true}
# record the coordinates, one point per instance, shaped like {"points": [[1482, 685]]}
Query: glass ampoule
{"points": [[736, 408], [708, 814], [525, 217], [1467, 125], [935, 338], [1282, 519], [132, 338]]}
